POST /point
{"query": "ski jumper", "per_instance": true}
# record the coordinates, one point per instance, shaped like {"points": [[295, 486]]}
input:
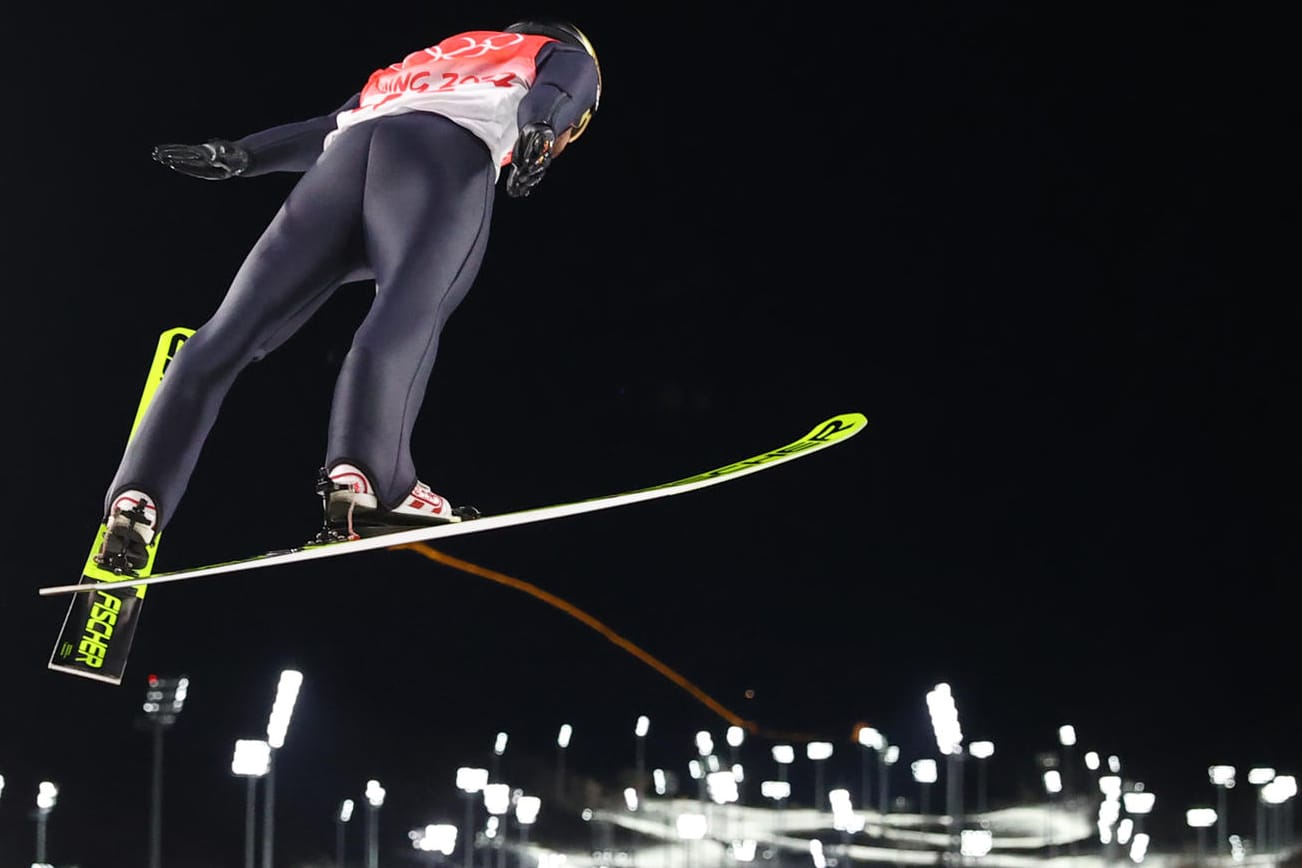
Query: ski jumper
{"points": [[397, 187]]}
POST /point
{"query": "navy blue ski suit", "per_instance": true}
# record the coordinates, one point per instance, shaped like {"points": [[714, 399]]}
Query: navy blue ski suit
{"points": [[403, 198]]}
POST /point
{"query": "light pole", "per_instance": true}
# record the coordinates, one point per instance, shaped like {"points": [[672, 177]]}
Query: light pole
{"points": [[735, 737], [163, 702], [469, 782], [1200, 819], [1222, 777], [818, 752], [888, 757], [1278, 792], [949, 741], [981, 751], [47, 796], [871, 740], [526, 814], [1067, 739], [497, 801], [341, 830], [924, 772], [1259, 776], [1138, 804], [282, 709], [499, 748], [251, 761], [562, 742], [784, 755], [1052, 787], [640, 729], [374, 801]]}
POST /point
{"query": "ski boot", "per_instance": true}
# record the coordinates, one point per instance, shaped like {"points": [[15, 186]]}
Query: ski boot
{"points": [[352, 511], [129, 531]]}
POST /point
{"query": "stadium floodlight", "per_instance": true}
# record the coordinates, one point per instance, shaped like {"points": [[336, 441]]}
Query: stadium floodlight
{"points": [[526, 810], [251, 760], [776, 790], [691, 827], [1067, 735], [944, 719], [469, 782], [435, 838], [1260, 775], [1053, 782], [1092, 760], [1200, 818], [784, 754], [722, 787], [374, 796], [630, 798], [344, 814], [47, 796], [282, 709], [1138, 803], [818, 752]]}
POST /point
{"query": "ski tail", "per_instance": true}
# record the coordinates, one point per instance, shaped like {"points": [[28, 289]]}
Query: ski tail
{"points": [[99, 627]]}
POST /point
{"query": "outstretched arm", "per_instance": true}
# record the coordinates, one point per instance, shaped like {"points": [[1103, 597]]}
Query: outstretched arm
{"points": [[291, 147]]}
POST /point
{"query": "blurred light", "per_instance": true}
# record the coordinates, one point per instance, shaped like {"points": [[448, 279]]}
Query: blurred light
{"points": [[252, 758], [775, 789], [658, 776], [490, 828], [499, 744], [471, 780], [1221, 776], [346, 810], [497, 798], [1114, 764], [712, 763], [870, 737], [642, 727], [282, 708], [2, 784], [944, 719], [1260, 775], [704, 744], [818, 750], [1110, 786], [1092, 760], [738, 773], [1237, 851], [1200, 818], [722, 787], [691, 827], [982, 749], [816, 851], [1288, 784], [975, 842], [839, 800], [924, 771], [441, 838], [1124, 830], [1138, 803], [1279, 790], [736, 735], [526, 810], [695, 769], [374, 794], [744, 851], [563, 736], [1139, 848], [630, 798], [1067, 735], [47, 795], [784, 753], [1053, 782], [892, 754]]}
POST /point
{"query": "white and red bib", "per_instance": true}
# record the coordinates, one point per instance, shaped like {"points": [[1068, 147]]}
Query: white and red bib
{"points": [[476, 79]]}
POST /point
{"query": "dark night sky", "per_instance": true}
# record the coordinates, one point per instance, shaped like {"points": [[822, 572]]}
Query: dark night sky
{"points": [[1045, 253]]}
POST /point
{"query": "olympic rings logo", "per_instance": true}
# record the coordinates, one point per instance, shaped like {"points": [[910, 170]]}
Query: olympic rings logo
{"points": [[468, 46]]}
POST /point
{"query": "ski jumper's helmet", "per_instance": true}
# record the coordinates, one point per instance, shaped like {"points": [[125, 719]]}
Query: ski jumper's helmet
{"points": [[563, 31]]}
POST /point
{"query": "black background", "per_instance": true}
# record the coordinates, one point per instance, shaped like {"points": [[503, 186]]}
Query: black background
{"points": [[1048, 254]]}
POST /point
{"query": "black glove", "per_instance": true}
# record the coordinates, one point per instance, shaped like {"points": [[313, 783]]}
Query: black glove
{"points": [[215, 160], [530, 159]]}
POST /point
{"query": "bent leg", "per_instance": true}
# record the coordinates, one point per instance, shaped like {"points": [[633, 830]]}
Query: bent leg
{"points": [[310, 247], [428, 203]]}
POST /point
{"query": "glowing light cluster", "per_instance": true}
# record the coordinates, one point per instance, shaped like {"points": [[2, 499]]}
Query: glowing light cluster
{"points": [[282, 708], [944, 719]]}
